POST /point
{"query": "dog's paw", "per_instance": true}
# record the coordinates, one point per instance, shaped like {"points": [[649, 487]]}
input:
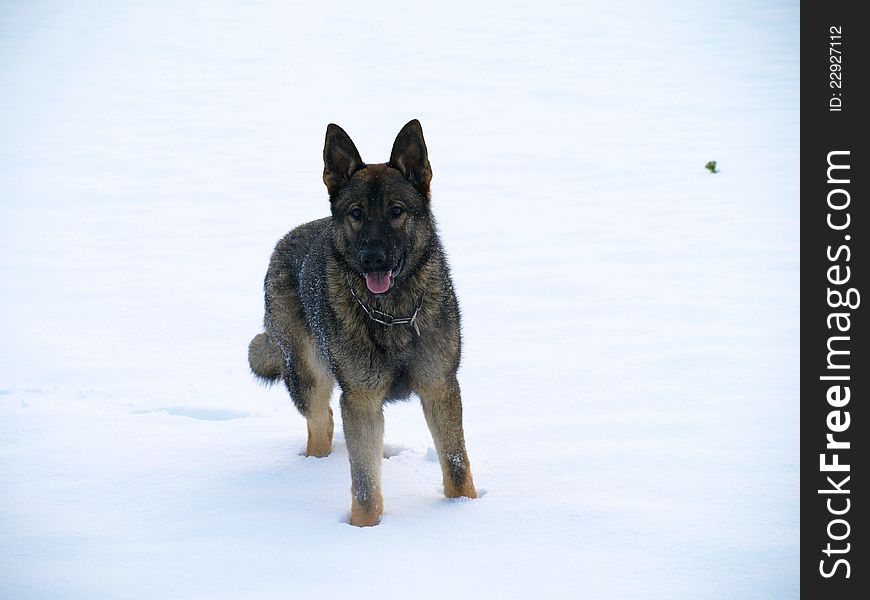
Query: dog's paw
{"points": [[367, 515], [466, 490]]}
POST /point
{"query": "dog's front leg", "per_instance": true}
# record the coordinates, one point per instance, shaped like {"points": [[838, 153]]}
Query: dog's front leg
{"points": [[363, 420], [442, 405]]}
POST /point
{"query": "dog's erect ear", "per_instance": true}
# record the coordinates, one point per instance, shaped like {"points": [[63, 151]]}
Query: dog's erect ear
{"points": [[340, 158], [410, 157]]}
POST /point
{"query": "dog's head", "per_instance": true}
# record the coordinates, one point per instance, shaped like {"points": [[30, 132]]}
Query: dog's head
{"points": [[381, 215]]}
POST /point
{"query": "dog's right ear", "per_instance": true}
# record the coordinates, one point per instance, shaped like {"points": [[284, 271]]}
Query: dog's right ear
{"points": [[340, 159]]}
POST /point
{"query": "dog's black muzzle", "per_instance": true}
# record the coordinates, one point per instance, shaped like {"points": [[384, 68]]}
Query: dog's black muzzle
{"points": [[373, 258]]}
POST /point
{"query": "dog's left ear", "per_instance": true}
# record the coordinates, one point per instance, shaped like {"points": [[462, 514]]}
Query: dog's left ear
{"points": [[410, 157]]}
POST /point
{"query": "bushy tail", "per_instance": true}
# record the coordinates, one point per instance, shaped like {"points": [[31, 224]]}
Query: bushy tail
{"points": [[265, 358]]}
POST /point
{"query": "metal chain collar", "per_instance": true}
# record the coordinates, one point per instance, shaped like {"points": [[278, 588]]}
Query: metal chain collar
{"points": [[386, 319]]}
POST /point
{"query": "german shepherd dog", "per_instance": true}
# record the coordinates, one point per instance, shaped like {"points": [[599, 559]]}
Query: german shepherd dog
{"points": [[364, 298]]}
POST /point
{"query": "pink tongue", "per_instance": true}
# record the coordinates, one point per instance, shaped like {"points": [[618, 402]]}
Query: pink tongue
{"points": [[378, 283]]}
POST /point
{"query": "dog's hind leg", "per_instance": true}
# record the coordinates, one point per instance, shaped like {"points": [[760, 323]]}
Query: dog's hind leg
{"points": [[310, 385], [442, 406], [303, 368], [318, 413], [363, 419]]}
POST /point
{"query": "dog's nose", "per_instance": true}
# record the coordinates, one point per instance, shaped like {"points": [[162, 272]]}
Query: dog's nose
{"points": [[373, 258]]}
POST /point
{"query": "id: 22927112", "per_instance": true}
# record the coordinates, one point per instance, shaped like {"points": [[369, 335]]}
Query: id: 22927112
{"points": [[835, 58]]}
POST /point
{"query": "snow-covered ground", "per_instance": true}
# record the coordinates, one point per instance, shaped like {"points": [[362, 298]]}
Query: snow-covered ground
{"points": [[630, 320]]}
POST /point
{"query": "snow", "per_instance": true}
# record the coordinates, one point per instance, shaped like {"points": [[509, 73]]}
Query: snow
{"points": [[630, 329]]}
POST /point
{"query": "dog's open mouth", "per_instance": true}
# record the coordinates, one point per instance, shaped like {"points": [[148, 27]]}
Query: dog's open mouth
{"points": [[380, 282]]}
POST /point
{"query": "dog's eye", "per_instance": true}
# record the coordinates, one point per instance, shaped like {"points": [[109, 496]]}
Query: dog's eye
{"points": [[396, 211], [356, 213]]}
